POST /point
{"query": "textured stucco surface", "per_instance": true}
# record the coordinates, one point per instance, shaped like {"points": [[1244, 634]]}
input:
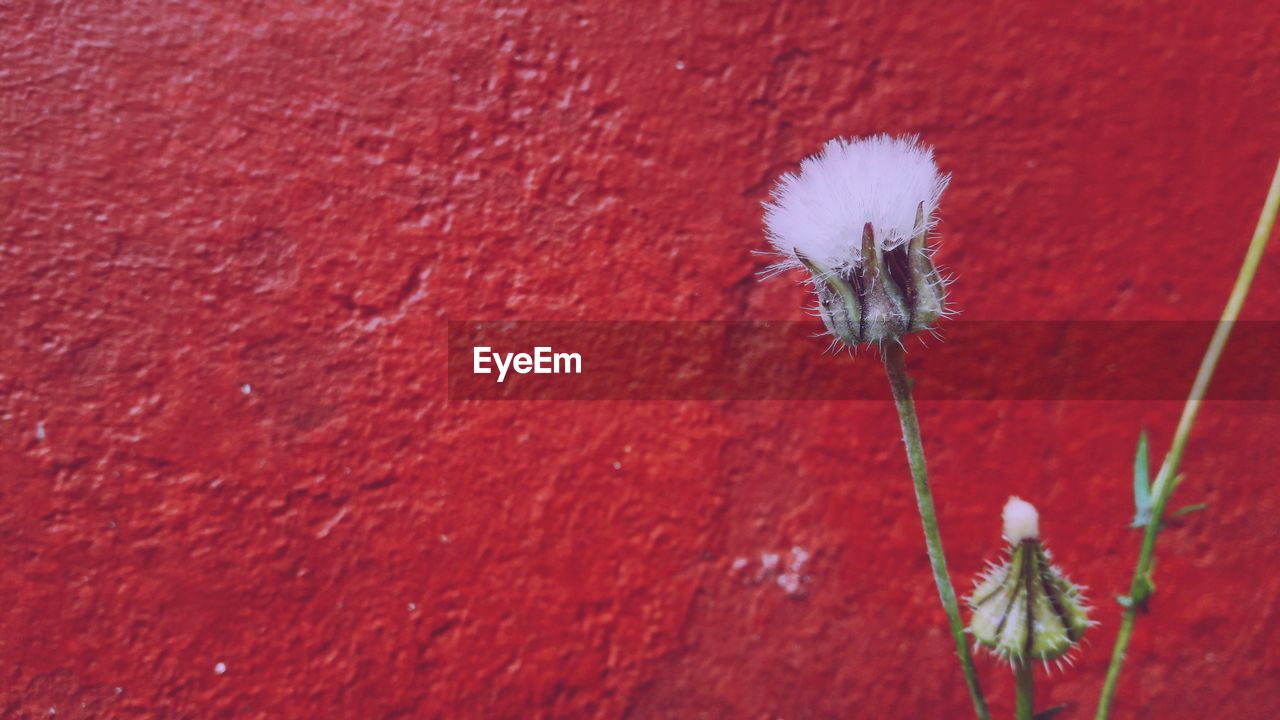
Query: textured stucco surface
{"points": [[232, 235]]}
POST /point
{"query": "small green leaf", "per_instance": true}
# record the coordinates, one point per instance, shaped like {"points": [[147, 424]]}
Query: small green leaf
{"points": [[1141, 484], [1188, 509], [1048, 713], [1142, 591]]}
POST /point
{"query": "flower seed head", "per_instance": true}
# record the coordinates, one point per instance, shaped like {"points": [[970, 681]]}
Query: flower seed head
{"points": [[1025, 608], [857, 217]]}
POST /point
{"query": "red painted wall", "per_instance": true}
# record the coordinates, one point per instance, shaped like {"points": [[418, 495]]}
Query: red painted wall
{"points": [[232, 485]]}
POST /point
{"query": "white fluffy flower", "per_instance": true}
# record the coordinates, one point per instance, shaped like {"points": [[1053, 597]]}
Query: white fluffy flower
{"points": [[821, 213], [857, 218]]}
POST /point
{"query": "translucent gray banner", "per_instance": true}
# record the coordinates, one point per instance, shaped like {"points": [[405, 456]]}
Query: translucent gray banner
{"points": [[974, 360]]}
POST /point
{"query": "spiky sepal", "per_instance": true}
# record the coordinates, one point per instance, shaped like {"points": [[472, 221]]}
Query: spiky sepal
{"points": [[889, 294], [1026, 609]]}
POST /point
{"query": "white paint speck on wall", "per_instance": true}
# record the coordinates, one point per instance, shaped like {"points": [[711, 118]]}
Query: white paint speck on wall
{"points": [[220, 668], [786, 570]]}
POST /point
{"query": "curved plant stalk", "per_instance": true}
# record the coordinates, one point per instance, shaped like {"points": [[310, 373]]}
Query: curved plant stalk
{"points": [[1167, 479], [896, 367]]}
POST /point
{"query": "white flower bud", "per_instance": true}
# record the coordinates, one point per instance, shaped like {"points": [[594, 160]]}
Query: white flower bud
{"points": [[1021, 521], [1025, 608]]}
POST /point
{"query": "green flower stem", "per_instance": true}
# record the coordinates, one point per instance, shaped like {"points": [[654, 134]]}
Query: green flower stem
{"points": [[1167, 479], [1026, 689], [895, 365]]}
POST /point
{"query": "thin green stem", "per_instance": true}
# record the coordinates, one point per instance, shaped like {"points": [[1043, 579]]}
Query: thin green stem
{"points": [[1167, 479], [896, 367], [1025, 688]]}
